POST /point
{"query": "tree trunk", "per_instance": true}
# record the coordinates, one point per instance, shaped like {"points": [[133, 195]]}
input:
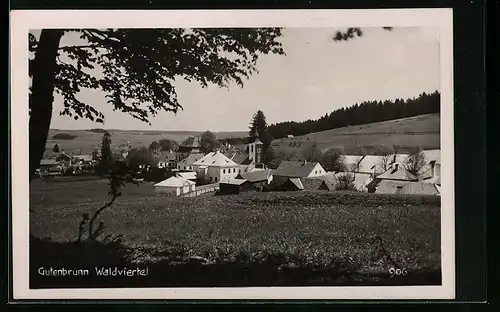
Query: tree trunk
{"points": [[42, 94]]}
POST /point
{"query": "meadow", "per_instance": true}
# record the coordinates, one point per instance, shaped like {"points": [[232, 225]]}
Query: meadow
{"points": [[406, 134], [356, 236], [86, 140]]}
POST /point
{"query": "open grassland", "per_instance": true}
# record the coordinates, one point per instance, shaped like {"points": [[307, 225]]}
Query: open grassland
{"points": [[314, 229], [406, 134], [85, 140]]}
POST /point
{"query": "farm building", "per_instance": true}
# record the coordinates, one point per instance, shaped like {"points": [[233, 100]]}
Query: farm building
{"points": [[215, 167], [361, 180], [299, 169], [408, 188], [191, 145], [318, 183], [258, 178], [234, 186], [175, 186], [243, 160], [280, 183], [187, 163], [63, 157], [82, 159], [166, 159], [397, 172], [189, 175], [46, 164]]}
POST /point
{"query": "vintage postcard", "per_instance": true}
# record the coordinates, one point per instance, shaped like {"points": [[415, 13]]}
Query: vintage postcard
{"points": [[269, 154]]}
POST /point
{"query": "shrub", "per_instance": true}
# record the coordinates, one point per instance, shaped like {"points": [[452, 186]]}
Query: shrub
{"points": [[345, 182]]}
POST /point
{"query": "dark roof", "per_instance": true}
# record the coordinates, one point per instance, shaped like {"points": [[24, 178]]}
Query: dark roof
{"points": [[296, 169], [165, 156], [311, 183], [241, 159], [255, 176], [191, 142]]}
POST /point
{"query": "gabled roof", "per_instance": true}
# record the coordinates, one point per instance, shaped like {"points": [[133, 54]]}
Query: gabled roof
{"points": [[187, 175], [255, 176], [311, 183], [191, 159], [369, 163], [48, 162], [361, 180], [241, 159], [234, 181], [397, 172], [215, 159], [296, 182], [295, 169], [175, 181]]}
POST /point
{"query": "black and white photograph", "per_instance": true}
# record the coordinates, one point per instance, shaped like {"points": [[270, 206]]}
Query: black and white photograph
{"points": [[261, 156]]}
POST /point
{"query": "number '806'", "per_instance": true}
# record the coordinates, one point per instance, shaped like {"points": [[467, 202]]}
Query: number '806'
{"points": [[397, 272]]}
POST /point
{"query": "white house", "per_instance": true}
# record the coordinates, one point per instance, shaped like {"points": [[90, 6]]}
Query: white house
{"points": [[215, 167], [299, 169], [175, 186]]}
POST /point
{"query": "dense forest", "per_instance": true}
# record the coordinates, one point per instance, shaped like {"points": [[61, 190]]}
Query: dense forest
{"points": [[358, 114]]}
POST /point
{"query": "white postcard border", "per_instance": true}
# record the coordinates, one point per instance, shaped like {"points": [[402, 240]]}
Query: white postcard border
{"points": [[23, 21]]}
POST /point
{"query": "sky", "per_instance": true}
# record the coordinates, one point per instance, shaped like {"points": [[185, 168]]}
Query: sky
{"points": [[317, 76]]}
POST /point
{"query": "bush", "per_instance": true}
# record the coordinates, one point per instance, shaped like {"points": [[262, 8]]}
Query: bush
{"points": [[345, 182]]}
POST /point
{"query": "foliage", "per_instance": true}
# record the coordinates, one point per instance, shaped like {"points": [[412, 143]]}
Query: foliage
{"points": [[140, 156], [55, 149], [168, 145], [333, 160], [386, 156], [140, 65], [209, 142], [415, 162], [63, 136], [363, 113], [345, 182], [258, 128], [104, 163], [313, 153]]}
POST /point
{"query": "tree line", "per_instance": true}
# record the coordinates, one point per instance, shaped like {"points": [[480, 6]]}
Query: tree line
{"points": [[362, 113]]}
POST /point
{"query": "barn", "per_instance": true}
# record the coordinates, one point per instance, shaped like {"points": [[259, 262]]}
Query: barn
{"points": [[175, 186], [234, 186]]}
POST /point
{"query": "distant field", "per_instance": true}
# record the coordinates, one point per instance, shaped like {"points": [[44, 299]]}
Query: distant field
{"points": [[319, 226], [407, 134], [85, 140]]}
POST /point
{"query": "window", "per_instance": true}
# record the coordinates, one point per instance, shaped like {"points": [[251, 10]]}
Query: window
{"points": [[215, 179], [210, 179], [234, 170], [223, 170]]}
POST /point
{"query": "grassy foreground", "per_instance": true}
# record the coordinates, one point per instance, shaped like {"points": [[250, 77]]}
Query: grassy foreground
{"points": [[263, 239]]}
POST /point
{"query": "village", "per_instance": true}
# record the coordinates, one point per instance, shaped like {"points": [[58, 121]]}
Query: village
{"points": [[189, 172]]}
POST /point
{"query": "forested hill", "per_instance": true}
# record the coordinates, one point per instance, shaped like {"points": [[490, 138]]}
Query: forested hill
{"points": [[363, 113]]}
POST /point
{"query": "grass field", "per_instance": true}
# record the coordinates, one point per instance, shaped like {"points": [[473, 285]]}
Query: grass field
{"points": [[407, 134], [85, 140], [304, 228]]}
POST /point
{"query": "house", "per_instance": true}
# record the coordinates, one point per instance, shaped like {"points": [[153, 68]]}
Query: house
{"points": [[397, 172], [408, 188], [174, 186], [187, 163], [82, 158], [243, 160], [166, 159], [63, 157], [46, 164], [299, 169], [189, 146], [258, 178], [215, 167], [234, 186], [190, 175], [281, 183]]}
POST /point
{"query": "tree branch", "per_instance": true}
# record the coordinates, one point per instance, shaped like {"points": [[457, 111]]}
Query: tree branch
{"points": [[82, 46], [97, 213]]}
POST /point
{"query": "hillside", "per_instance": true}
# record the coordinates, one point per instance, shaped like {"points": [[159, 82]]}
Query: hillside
{"points": [[85, 139], [406, 134]]}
